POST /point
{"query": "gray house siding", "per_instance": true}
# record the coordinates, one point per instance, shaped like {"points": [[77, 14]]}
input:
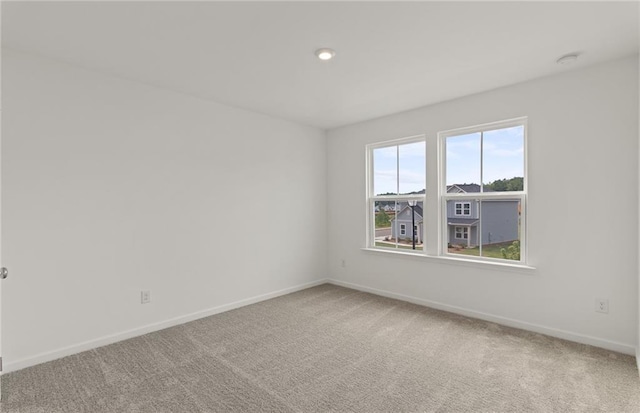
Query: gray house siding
{"points": [[395, 230], [451, 208], [473, 237], [404, 217], [500, 221]]}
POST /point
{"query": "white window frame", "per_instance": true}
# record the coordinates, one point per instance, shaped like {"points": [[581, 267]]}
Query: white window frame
{"points": [[463, 206], [372, 198], [465, 231], [444, 196], [403, 229]]}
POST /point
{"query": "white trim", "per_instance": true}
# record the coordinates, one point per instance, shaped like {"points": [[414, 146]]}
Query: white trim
{"points": [[396, 142], [485, 127], [149, 328], [479, 263], [638, 358], [462, 208], [509, 322], [465, 231]]}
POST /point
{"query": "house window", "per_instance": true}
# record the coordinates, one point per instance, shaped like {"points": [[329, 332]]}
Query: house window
{"points": [[485, 165], [462, 232], [396, 175], [463, 208]]}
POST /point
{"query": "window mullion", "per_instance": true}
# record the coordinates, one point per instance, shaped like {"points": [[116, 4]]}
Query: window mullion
{"points": [[398, 170], [479, 234], [481, 162]]}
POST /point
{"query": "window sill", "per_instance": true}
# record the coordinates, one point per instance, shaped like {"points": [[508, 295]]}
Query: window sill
{"points": [[503, 266]]}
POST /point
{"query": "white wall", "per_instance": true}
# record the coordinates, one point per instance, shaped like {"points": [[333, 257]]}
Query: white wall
{"points": [[110, 187], [582, 210]]}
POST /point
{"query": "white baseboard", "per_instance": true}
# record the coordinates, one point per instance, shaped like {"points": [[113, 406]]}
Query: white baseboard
{"points": [[549, 331], [10, 366]]}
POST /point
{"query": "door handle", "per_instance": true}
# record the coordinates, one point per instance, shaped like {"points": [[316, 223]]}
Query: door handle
{"points": [[4, 273]]}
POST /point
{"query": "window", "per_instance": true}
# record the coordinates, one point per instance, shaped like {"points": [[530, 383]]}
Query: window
{"points": [[481, 192], [396, 193], [463, 208], [462, 233], [485, 165]]}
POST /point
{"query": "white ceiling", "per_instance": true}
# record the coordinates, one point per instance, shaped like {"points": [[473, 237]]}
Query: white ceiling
{"points": [[259, 56]]}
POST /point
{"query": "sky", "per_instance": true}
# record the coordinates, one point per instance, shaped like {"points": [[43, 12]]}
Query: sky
{"points": [[502, 158]]}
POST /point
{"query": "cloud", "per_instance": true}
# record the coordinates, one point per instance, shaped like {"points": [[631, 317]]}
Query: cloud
{"points": [[385, 181], [413, 150], [503, 152], [409, 150]]}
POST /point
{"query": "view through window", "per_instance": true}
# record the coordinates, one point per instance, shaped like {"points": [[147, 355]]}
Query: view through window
{"points": [[398, 188], [482, 191], [484, 196]]}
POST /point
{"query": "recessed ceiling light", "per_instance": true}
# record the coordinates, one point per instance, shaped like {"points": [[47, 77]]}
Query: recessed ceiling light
{"points": [[567, 59], [325, 53]]}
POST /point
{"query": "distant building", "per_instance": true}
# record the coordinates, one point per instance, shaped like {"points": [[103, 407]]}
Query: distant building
{"points": [[401, 223], [500, 220]]}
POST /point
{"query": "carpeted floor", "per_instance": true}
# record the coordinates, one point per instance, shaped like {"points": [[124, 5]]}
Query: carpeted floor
{"points": [[331, 349]]}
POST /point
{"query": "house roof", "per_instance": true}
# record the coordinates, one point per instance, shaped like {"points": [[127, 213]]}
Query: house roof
{"points": [[462, 221], [418, 210], [466, 188]]}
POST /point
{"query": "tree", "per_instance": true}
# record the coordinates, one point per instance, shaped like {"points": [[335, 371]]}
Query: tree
{"points": [[514, 184], [512, 252], [382, 219]]}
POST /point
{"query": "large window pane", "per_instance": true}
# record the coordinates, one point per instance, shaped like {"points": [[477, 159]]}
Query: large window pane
{"points": [[385, 171], [462, 226], [412, 168], [393, 224], [503, 159], [500, 229], [384, 213], [463, 160]]}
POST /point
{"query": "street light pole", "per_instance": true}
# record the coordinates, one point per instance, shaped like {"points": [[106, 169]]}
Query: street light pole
{"points": [[412, 204]]}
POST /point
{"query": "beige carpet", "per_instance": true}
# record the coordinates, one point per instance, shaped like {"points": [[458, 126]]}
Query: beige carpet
{"points": [[331, 349]]}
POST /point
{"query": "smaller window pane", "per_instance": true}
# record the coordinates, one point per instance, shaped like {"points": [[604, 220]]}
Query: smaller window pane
{"points": [[394, 220], [383, 215], [503, 159], [412, 168], [501, 229], [385, 171], [463, 162]]}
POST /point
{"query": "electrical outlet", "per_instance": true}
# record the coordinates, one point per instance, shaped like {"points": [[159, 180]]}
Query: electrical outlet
{"points": [[145, 297], [602, 305]]}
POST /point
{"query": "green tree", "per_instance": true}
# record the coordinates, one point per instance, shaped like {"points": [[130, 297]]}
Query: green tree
{"points": [[382, 219], [514, 184]]}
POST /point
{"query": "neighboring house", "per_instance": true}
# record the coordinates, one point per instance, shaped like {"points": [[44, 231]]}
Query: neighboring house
{"points": [[500, 218], [401, 223]]}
